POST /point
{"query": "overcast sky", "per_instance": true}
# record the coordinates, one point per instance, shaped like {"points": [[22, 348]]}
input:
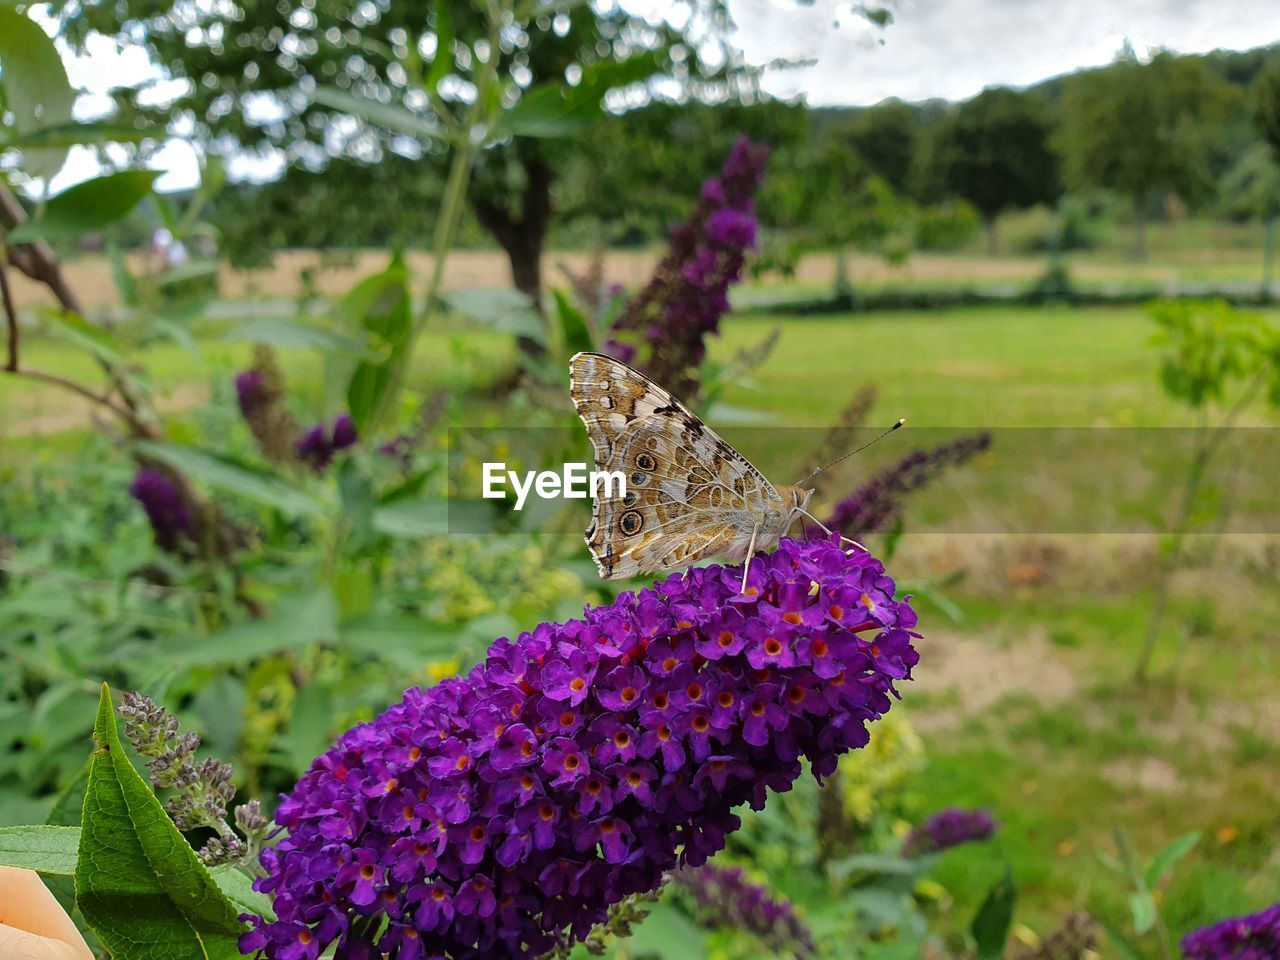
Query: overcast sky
{"points": [[934, 48], [954, 48]]}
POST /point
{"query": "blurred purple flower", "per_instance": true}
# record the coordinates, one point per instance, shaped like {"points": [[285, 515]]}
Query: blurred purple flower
{"points": [[949, 828], [500, 814], [1253, 937], [688, 294], [170, 518], [726, 898], [260, 394], [317, 445], [876, 502]]}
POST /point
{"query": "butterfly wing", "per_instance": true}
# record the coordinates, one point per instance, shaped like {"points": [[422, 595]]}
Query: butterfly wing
{"points": [[689, 494]]}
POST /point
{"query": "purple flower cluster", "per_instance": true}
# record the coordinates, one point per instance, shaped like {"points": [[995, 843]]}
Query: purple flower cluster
{"points": [[876, 502], [949, 828], [664, 328], [317, 446], [260, 393], [726, 898], [169, 514], [499, 814], [1254, 937]]}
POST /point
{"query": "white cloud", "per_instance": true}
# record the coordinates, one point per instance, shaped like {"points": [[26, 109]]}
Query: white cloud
{"points": [[954, 49]]}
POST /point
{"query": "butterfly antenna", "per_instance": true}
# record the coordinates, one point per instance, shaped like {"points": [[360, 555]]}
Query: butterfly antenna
{"points": [[813, 473]]}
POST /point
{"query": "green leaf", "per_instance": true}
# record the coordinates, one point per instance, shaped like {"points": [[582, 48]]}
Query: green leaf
{"points": [[1165, 859], [238, 888], [139, 884], [297, 621], [412, 518], [308, 733], [991, 924], [35, 86], [554, 109], [43, 848], [288, 333], [1143, 909], [442, 63], [230, 476], [382, 308], [88, 206], [574, 333], [669, 934], [76, 329], [66, 135], [500, 308], [407, 643], [388, 116]]}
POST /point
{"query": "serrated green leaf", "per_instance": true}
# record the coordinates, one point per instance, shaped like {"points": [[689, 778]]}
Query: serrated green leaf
{"points": [[36, 89], [295, 622], [289, 333], [41, 848], [230, 476], [388, 116], [991, 924], [88, 206], [1167, 857], [139, 884]]}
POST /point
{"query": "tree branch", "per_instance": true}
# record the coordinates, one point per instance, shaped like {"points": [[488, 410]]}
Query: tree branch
{"points": [[52, 378], [11, 314]]}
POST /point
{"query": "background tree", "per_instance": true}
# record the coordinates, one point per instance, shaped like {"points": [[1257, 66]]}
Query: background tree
{"points": [[1265, 182], [1145, 129], [887, 138], [318, 81], [994, 152]]}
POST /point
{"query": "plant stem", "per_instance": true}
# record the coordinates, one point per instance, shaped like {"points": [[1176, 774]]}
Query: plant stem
{"points": [[455, 193]]}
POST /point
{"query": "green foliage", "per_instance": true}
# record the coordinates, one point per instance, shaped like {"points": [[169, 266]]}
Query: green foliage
{"points": [[1144, 129], [1265, 94], [88, 206], [36, 91], [1211, 351], [138, 883], [381, 308], [994, 152], [991, 925]]}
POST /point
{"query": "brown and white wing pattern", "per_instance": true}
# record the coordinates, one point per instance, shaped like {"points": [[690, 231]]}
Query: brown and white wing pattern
{"points": [[689, 494]]}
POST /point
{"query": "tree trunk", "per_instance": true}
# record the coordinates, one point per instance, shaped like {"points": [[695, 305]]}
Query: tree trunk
{"points": [[989, 222], [1139, 229], [521, 237], [1268, 257], [525, 256]]}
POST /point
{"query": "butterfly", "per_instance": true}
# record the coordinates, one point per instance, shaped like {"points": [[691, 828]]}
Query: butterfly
{"points": [[689, 495]]}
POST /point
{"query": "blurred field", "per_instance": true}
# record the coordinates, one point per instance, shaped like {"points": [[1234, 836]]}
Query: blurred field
{"points": [[1180, 252]]}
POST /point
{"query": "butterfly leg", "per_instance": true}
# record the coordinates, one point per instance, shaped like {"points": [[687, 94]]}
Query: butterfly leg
{"points": [[751, 550], [829, 532]]}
